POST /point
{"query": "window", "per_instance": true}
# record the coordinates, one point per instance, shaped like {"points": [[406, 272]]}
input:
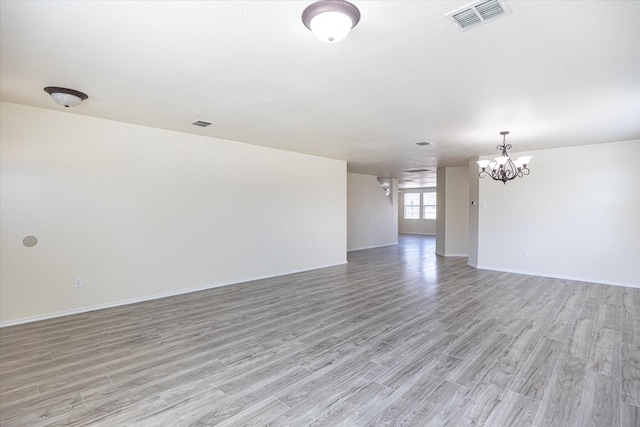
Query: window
{"points": [[420, 205], [429, 205], [411, 205]]}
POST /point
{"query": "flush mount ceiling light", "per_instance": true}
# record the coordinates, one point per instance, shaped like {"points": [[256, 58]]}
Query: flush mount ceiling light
{"points": [[66, 97], [330, 20], [503, 168]]}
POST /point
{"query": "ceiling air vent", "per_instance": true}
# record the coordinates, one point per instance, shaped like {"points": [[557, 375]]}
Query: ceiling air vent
{"points": [[478, 12], [201, 123]]}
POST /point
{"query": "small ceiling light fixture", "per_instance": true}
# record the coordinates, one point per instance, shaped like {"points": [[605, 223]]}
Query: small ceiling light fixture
{"points": [[503, 168], [66, 97], [330, 20]]}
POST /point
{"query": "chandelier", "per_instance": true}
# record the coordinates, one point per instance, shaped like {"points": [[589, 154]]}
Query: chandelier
{"points": [[503, 168]]}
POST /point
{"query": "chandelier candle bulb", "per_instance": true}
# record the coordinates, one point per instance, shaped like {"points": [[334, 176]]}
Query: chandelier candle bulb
{"points": [[524, 160], [501, 160], [483, 164]]}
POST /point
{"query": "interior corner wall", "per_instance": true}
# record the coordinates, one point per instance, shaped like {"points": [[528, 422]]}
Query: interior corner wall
{"points": [[372, 219], [576, 216], [474, 195], [452, 216], [141, 213], [441, 211]]}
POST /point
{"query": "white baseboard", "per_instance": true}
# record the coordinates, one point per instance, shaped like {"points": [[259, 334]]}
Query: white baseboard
{"points": [[419, 234], [153, 297], [372, 247], [452, 255], [563, 277]]}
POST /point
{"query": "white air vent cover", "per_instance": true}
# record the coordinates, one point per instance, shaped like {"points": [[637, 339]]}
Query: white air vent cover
{"points": [[477, 13]]}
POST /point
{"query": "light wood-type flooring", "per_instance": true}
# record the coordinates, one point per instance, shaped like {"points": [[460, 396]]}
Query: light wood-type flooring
{"points": [[396, 337]]}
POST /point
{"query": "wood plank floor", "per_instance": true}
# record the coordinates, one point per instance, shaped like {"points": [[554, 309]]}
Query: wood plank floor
{"points": [[398, 337]]}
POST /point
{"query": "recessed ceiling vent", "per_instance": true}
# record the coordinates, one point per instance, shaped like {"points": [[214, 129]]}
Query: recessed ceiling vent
{"points": [[201, 123], [478, 12]]}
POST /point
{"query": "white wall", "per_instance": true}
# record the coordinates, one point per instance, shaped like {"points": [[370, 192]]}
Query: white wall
{"points": [[577, 216], [140, 212], [372, 219], [473, 207], [441, 210], [414, 226], [452, 223]]}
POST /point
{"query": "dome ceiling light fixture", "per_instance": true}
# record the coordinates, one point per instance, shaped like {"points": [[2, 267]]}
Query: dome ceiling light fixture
{"points": [[330, 20], [503, 168], [66, 97]]}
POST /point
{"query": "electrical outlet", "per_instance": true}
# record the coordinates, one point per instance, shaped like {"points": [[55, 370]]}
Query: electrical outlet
{"points": [[524, 255], [283, 256], [77, 282]]}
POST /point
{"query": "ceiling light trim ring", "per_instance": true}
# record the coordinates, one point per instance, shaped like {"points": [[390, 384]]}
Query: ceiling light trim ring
{"points": [[53, 89], [323, 6]]}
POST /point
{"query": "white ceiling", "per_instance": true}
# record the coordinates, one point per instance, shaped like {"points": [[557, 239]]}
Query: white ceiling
{"points": [[553, 73]]}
